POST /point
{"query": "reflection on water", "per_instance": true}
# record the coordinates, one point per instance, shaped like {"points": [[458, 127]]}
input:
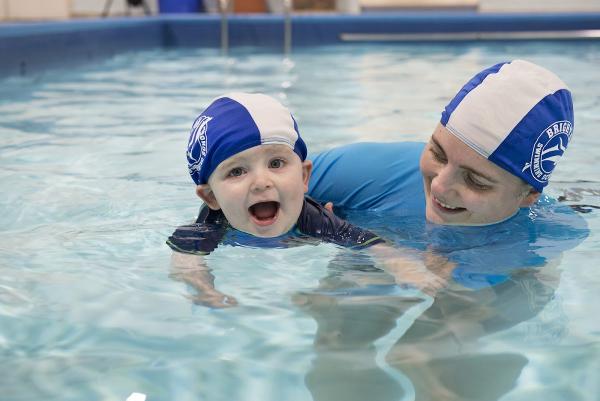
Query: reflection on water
{"points": [[441, 353], [437, 353], [369, 336], [436, 359], [352, 312]]}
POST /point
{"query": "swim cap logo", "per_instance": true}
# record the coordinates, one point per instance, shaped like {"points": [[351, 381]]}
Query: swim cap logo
{"points": [[548, 148], [196, 152]]}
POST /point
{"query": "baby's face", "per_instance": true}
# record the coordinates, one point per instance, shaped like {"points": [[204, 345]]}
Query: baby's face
{"points": [[260, 190]]}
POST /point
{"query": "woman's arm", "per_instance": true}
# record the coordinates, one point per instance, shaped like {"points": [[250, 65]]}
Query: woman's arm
{"points": [[424, 270]]}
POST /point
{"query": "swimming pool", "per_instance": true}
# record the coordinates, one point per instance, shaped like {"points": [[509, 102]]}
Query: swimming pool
{"points": [[94, 180]]}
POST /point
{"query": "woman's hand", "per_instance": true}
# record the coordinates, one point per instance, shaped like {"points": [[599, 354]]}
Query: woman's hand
{"points": [[408, 268]]}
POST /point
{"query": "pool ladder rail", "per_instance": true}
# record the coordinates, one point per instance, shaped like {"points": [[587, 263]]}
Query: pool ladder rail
{"points": [[287, 28], [225, 8]]}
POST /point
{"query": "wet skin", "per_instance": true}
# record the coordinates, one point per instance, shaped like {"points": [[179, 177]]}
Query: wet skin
{"points": [[463, 188], [260, 190]]}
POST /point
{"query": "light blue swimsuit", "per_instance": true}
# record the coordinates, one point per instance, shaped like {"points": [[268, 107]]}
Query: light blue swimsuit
{"points": [[380, 182]]}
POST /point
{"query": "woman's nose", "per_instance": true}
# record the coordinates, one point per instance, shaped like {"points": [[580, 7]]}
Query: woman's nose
{"points": [[445, 180]]}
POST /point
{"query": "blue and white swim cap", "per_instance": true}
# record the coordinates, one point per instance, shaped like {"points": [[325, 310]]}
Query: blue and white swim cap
{"points": [[235, 122], [518, 115]]}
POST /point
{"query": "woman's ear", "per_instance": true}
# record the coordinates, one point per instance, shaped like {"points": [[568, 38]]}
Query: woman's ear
{"points": [[306, 171], [530, 198], [207, 195]]}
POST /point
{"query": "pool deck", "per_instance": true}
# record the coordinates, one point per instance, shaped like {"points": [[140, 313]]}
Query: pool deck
{"points": [[27, 48]]}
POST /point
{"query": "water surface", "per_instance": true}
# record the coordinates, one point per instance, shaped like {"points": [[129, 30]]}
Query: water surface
{"points": [[93, 180]]}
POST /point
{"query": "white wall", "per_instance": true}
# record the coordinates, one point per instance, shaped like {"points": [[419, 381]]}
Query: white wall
{"points": [[491, 5], [36, 9], [89, 8], [538, 5], [424, 4], [3, 10], [63, 9]]}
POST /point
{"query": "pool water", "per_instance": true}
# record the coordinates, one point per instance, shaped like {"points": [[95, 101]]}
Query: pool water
{"points": [[94, 179]]}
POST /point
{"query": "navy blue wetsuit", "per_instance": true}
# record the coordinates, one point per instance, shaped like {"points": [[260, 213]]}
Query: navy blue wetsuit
{"points": [[212, 228]]}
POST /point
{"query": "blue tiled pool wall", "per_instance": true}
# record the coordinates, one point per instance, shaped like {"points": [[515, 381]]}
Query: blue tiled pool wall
{"points": [[32, 47]]}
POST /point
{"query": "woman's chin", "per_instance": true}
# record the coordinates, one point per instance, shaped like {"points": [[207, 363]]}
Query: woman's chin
{"points": [[463, 219], [436, 217]]}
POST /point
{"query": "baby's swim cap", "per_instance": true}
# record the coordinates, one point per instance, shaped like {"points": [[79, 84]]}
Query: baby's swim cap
{"points": [[518, 115], [235, 122]]}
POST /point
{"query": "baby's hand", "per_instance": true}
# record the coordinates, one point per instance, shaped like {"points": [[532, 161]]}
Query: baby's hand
{"points": [[214, 299]]}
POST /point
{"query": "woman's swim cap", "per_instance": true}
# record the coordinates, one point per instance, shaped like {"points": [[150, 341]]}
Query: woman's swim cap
{"points": [[235, 122], [517, 115]]}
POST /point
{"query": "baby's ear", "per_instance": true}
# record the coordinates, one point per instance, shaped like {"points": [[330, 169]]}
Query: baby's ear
{"points": [[306, 171], [207, 195]]}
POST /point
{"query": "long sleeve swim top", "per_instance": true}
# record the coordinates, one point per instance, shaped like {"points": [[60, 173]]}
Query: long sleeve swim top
{"points": [[212, 228]]}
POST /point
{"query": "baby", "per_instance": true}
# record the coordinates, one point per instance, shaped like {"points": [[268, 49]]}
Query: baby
{"points": [[249, 164], [248, 161]]}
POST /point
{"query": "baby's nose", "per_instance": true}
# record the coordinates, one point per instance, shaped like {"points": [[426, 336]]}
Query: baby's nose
{"points": [[261, 182]]}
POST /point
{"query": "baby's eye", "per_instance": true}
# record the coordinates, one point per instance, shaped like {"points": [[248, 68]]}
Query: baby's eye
{"points": [[474, 183], [235, 172], [276, 163]]}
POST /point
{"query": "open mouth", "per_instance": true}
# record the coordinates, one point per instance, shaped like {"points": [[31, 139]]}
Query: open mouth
{"points": [[447, 208], [264, 213]]}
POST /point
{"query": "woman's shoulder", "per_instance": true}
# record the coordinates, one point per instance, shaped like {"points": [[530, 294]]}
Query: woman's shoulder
{"points": [[371, 151], [370, 175]]}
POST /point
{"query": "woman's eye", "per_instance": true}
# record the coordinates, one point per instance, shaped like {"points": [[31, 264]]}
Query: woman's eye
{"points": [[476, 184], [276, 163], [236, 172], [438, 156]]}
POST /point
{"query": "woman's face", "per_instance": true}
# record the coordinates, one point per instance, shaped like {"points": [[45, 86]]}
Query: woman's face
{"points": [[464, 188]]}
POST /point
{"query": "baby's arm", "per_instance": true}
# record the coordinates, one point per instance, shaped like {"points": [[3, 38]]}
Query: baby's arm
{"points": [[191, 243], [193, 270]]}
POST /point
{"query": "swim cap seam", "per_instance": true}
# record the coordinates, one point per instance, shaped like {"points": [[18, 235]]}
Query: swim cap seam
{"points": [[466, 140]]}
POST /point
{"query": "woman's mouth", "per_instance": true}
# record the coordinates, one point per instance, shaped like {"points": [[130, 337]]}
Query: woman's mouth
{"points": [[264, 213], [446, 208]]}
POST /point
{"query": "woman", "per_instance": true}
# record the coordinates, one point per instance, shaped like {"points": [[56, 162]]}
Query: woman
{"points": [[497, 143], [486, 164], [489, 158]]}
